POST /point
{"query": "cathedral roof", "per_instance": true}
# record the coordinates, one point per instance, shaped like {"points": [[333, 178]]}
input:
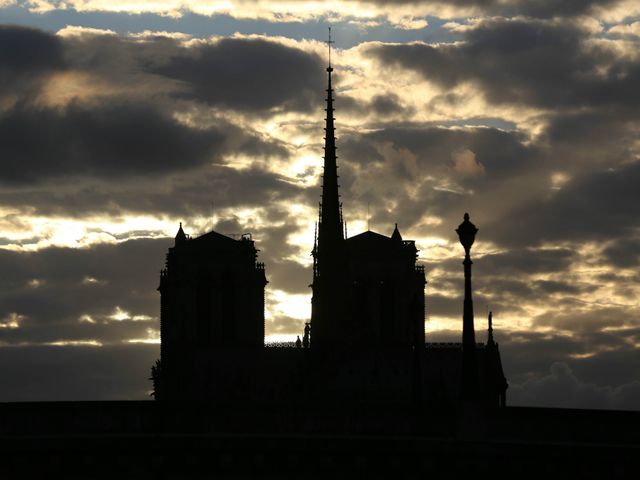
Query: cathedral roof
{"points": [[369, 238], [213, 242], [213, 237], [373, 241]]}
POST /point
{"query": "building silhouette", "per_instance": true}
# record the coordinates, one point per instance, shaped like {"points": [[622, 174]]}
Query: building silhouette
{"points": [[367, 289], [364, 344], [212, 298]]}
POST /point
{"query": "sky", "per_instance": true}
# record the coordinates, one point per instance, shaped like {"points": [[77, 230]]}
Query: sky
{"points": [[118, 120]]}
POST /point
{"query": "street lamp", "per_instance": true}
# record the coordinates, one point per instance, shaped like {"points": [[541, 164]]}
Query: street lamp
{"points": [[467, 234]]}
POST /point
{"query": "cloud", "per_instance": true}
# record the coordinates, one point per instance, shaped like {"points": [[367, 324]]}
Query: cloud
{"points": [[76, 373], [249, 74], [562, 389], [406, 14], [466, 164], [112, 140], [601, 205], [52, 311], [539, 63], [27, 57], [406, 173], [623, 252], [77, 31], [26, 50], [631, 29], [388, 104], [181, 194]]}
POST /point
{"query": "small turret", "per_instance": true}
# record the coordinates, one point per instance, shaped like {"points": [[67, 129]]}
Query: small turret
{"points": [[395, 236], [180, 236]]}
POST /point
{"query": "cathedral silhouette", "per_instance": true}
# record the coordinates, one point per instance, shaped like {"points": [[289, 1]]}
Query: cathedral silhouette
{"points": [[365, 341], [361, 395]]}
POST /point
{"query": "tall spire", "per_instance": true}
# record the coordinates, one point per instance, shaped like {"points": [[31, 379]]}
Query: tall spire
{"points": [[328, 312], [330, 229]]}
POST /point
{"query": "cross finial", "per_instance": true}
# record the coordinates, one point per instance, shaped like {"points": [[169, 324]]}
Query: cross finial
{"points": [[329, 42]]}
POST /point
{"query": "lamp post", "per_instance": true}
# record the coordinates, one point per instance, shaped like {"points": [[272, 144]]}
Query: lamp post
{"points": [[467, 234]]}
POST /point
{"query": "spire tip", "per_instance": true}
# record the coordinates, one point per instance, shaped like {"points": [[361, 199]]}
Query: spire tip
{"points": [[329, 42]]}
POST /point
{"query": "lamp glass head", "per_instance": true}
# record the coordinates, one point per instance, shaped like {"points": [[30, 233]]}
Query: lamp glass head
{"points": [[467, 233]]}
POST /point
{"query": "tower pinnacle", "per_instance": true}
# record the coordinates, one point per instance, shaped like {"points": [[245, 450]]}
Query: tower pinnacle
{"points": [[181, 237], [330, 230], [490, 340]]}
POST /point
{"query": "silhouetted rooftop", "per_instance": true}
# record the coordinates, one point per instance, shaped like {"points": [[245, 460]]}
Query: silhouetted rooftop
{"points": [[373, 242], [374, 239], [214, 241]]}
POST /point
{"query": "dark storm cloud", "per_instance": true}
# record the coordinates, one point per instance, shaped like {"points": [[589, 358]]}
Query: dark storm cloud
{"points": [[112, 141], [551, 8], [186, 193], [537, 8], [287, 325], [441, 305], [596, 357], [104, 332], [502, 282], [556, 66], [523, 261], [74, 282], [27, 58], [112, 137], [126, 152], [589, 349], [599, 200], [591, 368], [624, 252], [530, 62], [428, 159], [288, 275], [283, 273], [252, 75], [561, 388], [386, 104], [592, 320], [380, 107], [598, 129], [599, 206], [28, 51], [500, 155], [76, 373], [610, 367], [248, 74], [229, 188]]}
